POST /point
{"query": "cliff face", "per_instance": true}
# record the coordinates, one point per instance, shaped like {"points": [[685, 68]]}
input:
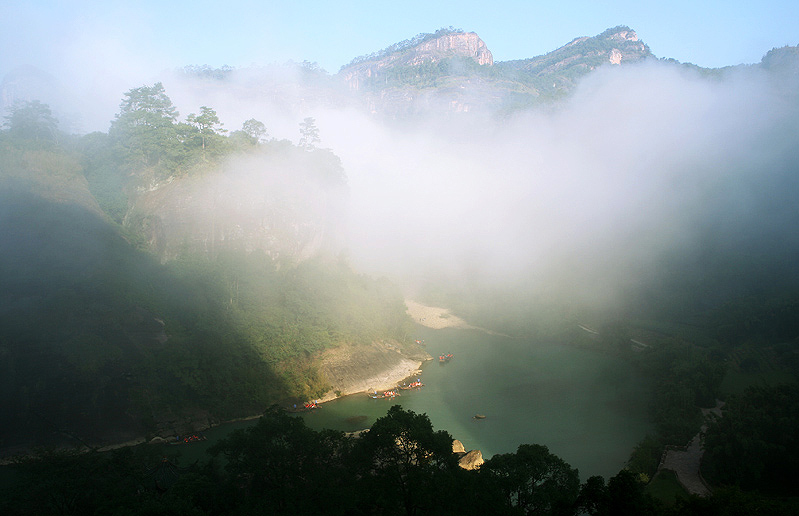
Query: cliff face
{"points": [[449, 73], [467, 44], [581, 55], [457, 44], [280, 206]]}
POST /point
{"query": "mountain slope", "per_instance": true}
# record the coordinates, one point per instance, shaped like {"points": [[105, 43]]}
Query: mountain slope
{"points": [[563, 67], [454, 72], [102, 343], [425, 49]]}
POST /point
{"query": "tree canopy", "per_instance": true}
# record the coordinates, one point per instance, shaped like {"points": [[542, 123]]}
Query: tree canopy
{"points": [[534, 481], [145, 129], [207, 124], [755, 444], [309, 134], [32, 120]]}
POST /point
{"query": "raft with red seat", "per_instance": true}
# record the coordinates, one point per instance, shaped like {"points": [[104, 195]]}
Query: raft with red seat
{"points": [[384, 395], [413, 385]]}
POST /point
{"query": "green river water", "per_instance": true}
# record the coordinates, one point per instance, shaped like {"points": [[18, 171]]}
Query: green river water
{"points": [[589, 408]]}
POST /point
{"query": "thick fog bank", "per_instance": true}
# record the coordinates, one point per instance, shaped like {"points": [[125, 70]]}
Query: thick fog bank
{"points": [[644, 165], [647, 173]]}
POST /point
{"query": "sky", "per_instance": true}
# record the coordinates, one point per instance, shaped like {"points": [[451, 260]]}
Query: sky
{"points": [[97, 50], [132, 37]]}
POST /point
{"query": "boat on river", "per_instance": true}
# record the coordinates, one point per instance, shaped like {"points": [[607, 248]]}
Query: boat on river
{"points": [[305, 407], [443, 359], [190, 438], [413, 385], [384, 395]]}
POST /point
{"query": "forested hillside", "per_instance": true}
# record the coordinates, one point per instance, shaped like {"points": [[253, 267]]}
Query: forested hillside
{"points": [[173, 272], [119, 318]]}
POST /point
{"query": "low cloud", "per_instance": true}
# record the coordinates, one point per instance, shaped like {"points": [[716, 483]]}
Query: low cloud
{"points": [[642, 164]]}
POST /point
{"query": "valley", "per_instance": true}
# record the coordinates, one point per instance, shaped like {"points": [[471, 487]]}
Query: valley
{"points": [[601, 239]]}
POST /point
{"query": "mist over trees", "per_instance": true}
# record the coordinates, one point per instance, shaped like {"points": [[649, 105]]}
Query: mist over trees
{"points": [[32, 120], [177, 269], [204, 333]]}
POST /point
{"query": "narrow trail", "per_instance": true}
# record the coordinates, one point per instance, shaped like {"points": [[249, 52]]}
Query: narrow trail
{"points": [[685, 463]]}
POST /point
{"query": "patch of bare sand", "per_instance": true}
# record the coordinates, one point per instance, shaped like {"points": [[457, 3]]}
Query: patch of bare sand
{"points": [[434, 317], [379, 366], [381, 381]]}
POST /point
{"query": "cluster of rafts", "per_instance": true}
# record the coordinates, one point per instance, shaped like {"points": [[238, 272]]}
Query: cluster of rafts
{"points": [[389, 394], [190, 438], [393, 393]]}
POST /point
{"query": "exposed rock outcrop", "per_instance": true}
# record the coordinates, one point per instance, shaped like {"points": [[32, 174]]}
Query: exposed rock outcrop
{"points": [[624, 35], [471, 460], [452, 44], [420, 76], [581, 55], [467, 44], [280, 204]]}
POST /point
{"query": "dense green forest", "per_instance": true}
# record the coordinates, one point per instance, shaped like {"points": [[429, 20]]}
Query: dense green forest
{"points": [[103, 339], [400, 466]]}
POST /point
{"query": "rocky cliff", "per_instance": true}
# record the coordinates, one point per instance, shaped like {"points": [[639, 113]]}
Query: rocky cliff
{"points": [[444, 45], [287, 204], [453, 72], [467, 44], [470, 460], [581, 55]]}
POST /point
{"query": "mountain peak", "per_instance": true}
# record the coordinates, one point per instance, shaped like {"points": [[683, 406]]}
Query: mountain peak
{"points": [[581, 55], [619, 33], [456, 44], [422, 49]]}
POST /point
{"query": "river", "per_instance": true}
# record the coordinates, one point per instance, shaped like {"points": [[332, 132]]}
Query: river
{"points": [[589, 408]]}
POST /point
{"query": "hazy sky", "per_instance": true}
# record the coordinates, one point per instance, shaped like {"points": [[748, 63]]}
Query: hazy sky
{"points": [[132, 37]]}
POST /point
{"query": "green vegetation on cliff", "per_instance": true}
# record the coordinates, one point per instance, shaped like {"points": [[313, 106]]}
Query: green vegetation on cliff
{"points": [[104, 340]]}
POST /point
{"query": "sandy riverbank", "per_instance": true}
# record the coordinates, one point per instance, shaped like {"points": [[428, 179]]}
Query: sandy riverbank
{"points": [[383, 381], [383, 366], [350, 368], [434, 317]]}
